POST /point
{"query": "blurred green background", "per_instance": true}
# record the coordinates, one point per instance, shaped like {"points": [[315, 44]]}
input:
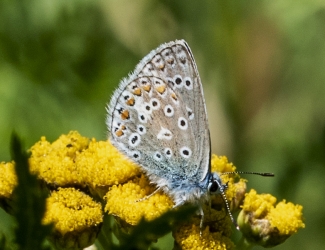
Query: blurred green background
{"points": [[262, 64]]}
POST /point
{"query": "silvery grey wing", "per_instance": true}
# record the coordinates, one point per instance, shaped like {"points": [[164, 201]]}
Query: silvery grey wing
{"points": [[158, 117]]}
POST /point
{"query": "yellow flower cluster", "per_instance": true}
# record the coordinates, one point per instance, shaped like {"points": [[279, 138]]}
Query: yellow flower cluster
{"points": [[101, 165], [287, 217], [220, 164], [214, 236], [268, 225], [8, 179], [261, 204], [123, 201], [76, 217], [75, 162], [55, 163], [67, 206], [193, 239]]}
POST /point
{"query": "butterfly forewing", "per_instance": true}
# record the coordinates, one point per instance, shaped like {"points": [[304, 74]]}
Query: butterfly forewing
{"points": [[157, 115]]}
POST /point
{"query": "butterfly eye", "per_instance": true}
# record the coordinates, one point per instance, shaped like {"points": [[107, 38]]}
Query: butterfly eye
{"points": [[213, 187]]}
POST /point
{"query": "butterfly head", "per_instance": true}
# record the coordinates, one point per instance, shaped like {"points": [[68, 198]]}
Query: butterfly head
{"points": [[215, 186]]}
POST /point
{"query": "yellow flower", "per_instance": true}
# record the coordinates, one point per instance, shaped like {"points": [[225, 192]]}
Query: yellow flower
{"points": [[55, 163], [286, 217], [102, 166], [73, 160], [215, 235], [267, 225], [77, 218], [8, 179], [189, 237], [8, 182], [123, 201], [220, 164], [236, 190]]}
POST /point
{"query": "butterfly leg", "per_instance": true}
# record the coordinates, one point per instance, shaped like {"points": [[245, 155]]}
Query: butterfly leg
{"points": [[148, 196], [202, 220]]}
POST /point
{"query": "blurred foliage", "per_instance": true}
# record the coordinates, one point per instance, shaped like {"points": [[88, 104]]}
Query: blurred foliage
{"points": [[28, 204], [261, 63]]}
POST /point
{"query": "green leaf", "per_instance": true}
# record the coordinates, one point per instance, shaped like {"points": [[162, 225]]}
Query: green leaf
{"points": [[28, 202]]}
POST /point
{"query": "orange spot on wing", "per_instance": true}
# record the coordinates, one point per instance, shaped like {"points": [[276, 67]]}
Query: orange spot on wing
{"points": [[147, 88], [125, 115], [173, 95], [130, 102], [170, 60], [161, 66], [161, 89], [119, 133], [137, 92]]}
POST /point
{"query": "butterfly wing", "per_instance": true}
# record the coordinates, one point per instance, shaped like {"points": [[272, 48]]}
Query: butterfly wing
{"points": [[157, 116]]}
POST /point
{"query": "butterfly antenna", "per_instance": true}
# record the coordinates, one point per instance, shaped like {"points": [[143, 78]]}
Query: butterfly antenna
{"points": [[245, 172], [222, 188]]}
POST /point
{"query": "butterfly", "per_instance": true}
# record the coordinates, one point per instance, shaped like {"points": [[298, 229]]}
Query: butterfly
{"points": [[157, 117]]}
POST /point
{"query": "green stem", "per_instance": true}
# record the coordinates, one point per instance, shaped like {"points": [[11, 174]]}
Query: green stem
{"points": [[105, 237], [244, 244]]}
